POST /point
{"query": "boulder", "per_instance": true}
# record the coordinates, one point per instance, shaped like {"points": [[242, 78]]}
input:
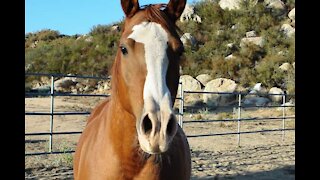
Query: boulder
{"points": [[290, 103], [276, 98], [277, 6], [259, 89], [285, 66], [189, 84], [293, 24], [219, 85], [234, 27], [27, 67], [42, 89], [45, 80], [230, 4], [252, 93], [259, 41], [115, 28], [288, 30], [103, 86], [188, 39], [65, 83], [230, 45], [292, 14], [256, 101], [251, 34], [204, 79], [189, 14], [241, 89], [89, 39], [231, 56]]}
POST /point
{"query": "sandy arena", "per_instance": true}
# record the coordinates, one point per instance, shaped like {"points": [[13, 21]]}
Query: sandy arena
{"points": [[260, 155]]}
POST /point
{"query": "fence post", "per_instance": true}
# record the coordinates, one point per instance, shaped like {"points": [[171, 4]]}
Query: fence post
{"points": [[283, 114], [181, 106], [51, 111], [239, 117]]}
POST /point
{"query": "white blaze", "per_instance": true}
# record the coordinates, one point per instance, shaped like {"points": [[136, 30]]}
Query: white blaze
{"points": [[155, 39]]}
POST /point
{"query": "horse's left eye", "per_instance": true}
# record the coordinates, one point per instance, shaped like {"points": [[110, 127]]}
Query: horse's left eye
{"points": [[124, 50]]}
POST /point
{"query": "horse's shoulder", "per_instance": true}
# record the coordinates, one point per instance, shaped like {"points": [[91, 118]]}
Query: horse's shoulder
{"points": [[102, 106]]}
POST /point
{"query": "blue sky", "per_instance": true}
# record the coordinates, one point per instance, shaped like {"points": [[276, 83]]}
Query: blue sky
{"points": [[72, 17]]}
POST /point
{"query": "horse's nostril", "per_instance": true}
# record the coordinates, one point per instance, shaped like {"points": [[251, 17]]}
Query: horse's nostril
{"points": [[146, 125], [171, 125]]}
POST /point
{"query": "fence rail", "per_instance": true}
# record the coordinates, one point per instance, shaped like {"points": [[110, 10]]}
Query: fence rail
{"points": [[180, 113]]}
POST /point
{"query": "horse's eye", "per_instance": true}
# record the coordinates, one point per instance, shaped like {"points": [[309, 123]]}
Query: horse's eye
{"points": [[124, 50]]}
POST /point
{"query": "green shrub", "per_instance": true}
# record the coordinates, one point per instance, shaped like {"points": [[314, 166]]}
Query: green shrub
{"points": [[56, 53]]}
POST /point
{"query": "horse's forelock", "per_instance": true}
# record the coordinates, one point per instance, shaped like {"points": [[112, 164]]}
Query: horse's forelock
{"points": [[154, 13]]}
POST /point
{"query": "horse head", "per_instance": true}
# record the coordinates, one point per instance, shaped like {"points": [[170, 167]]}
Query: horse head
{"points": [[146, 70]]}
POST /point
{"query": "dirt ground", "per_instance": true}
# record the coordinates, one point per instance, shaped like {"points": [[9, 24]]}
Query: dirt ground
{"points": [[259, 156]]}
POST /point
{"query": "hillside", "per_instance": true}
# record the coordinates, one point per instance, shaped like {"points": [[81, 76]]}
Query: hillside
{"points": [[246, 43]]}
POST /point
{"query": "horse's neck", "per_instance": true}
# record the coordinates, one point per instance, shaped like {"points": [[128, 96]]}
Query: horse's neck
{"points": [[122, 125], [123, 134]]}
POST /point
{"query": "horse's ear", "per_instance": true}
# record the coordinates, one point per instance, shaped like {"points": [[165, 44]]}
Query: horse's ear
{"points": [[130, 7], [175, 8]]}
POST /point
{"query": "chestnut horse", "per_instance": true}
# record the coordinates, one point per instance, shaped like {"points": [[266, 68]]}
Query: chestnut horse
{"points": [[134, 134]]}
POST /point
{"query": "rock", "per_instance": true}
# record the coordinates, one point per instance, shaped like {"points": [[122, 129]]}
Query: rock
{"points": [[27, 67], [293, 23], [189, 84], [292, 14], [197, 18], [74, 91], [45, 80], [42, 89], [234, 27], [204, 78], [252, 93], [200, 169], [115, 28], [286, 108], [259, 41], [281, 53], [285, 66], [257, 101], [78, 38], [288, 30], [89, 39], [229, 4], [294, 65], [241, 89], [65, 83], [188, 39], [276, 98], [219, 85], [258, 88], [230, 45], [277, 6], [229, 57], [251, 34], [103, 86], [290, 103], [189, 14]]}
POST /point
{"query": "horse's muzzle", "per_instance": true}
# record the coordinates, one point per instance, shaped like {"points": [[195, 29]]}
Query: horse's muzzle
{"points": [[156, 131]]}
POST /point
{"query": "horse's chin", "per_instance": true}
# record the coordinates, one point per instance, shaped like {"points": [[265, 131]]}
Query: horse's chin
{"points": [[145, 147]]}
